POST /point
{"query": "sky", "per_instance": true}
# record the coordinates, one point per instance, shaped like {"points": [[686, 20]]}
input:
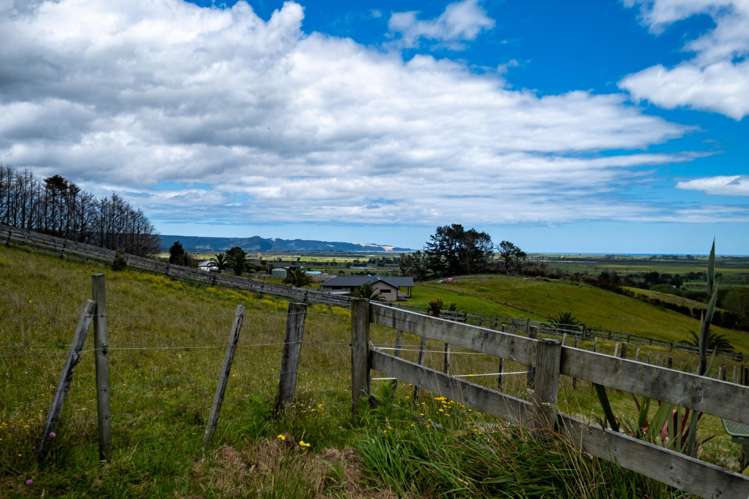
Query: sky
{"points": [[584, 126]]}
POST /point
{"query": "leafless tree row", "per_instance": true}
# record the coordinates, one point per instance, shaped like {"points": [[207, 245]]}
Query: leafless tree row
{"points": [[58, 207]]}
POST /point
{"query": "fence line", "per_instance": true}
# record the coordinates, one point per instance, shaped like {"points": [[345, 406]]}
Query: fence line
{"points": [[523, 325], [61, 351], [63, 246], [548, 358], [720, 398]]}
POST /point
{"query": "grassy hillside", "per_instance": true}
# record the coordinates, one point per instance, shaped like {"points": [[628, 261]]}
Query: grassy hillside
{"points": [[543, 298], [167, 342]]}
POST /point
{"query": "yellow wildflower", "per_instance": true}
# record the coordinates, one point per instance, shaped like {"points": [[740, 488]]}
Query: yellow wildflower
{"points": [[281, 437], [304, 445]]}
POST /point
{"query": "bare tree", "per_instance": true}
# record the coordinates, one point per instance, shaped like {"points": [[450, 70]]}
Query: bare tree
{"points": [[59, 207]]}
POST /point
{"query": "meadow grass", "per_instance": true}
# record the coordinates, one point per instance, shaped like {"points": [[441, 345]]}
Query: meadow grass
{"points": [[541, 299], [167, 342]]}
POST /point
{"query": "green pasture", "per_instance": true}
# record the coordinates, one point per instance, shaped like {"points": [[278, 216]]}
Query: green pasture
{"points": [[541, 299]]}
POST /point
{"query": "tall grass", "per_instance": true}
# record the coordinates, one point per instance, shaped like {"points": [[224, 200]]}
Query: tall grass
{"points": [[453, 452]]}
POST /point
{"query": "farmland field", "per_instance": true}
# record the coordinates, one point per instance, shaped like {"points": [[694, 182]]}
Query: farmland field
{"points": [[734, 269], [166, 345], [540, 299]]}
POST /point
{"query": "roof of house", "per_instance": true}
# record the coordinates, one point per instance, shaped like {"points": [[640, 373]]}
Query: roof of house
{"points": [[354, 281]]}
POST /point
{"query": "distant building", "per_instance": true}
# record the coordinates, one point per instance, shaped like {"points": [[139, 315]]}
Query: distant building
{"points": [[279, 273], [316, 275], [208, 266], [388, 288]]}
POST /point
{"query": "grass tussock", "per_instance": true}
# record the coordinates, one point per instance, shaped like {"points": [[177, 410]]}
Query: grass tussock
{"points": [[281, 469], [442, 449]]}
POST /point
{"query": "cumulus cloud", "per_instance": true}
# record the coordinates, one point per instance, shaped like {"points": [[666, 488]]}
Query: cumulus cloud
{"points": [[728, 185], [717, 77], [460, 21], [212, 115]]}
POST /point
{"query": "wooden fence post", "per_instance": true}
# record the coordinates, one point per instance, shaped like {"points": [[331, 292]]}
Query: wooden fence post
{"points": [[79, 339], [420, 361], [101, 348], [397, 353], [548, 363], [574, 379], [500, 368], [620, 350], [722, 373], [360, 376], [223, 377], [292, 350], [531, 375], [446, 359]]}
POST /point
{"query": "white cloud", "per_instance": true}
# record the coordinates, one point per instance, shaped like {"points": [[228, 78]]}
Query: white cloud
{"points": [[717, 77], [502, 69], [459, 21], [729, 185], [255, 120]]}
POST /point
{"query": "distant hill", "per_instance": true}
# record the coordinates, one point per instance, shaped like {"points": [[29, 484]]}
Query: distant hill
{"points": [[257, 243]]}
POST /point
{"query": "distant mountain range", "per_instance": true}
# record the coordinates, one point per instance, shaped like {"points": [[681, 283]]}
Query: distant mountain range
{"points": [[198, 244]]}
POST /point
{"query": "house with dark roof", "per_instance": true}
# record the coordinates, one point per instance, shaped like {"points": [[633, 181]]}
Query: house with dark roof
{"points": [[388, 288]]}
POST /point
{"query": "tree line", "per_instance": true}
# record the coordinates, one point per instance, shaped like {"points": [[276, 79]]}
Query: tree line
{"points": [[56, 206], [452, 250]]}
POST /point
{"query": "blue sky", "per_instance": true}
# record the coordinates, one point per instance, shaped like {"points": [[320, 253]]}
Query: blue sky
{"points": [[590, 126]]}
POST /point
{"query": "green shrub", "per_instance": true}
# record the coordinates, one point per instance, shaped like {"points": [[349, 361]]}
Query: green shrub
{"points": [[435, 307], [119, 263]]}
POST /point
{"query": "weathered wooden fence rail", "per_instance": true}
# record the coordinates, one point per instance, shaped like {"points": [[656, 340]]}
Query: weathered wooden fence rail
{"points": [[511, 324], [62, 247], [712, 396]]}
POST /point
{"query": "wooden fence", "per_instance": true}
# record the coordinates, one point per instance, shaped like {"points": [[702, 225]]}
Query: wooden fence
{"points": [[94, 312], [511, 324], [62, 247], [551, 359]]}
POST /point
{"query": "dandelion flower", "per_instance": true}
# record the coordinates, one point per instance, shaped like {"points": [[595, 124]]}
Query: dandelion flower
{"points": [[304, 445], [281, 437]]}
